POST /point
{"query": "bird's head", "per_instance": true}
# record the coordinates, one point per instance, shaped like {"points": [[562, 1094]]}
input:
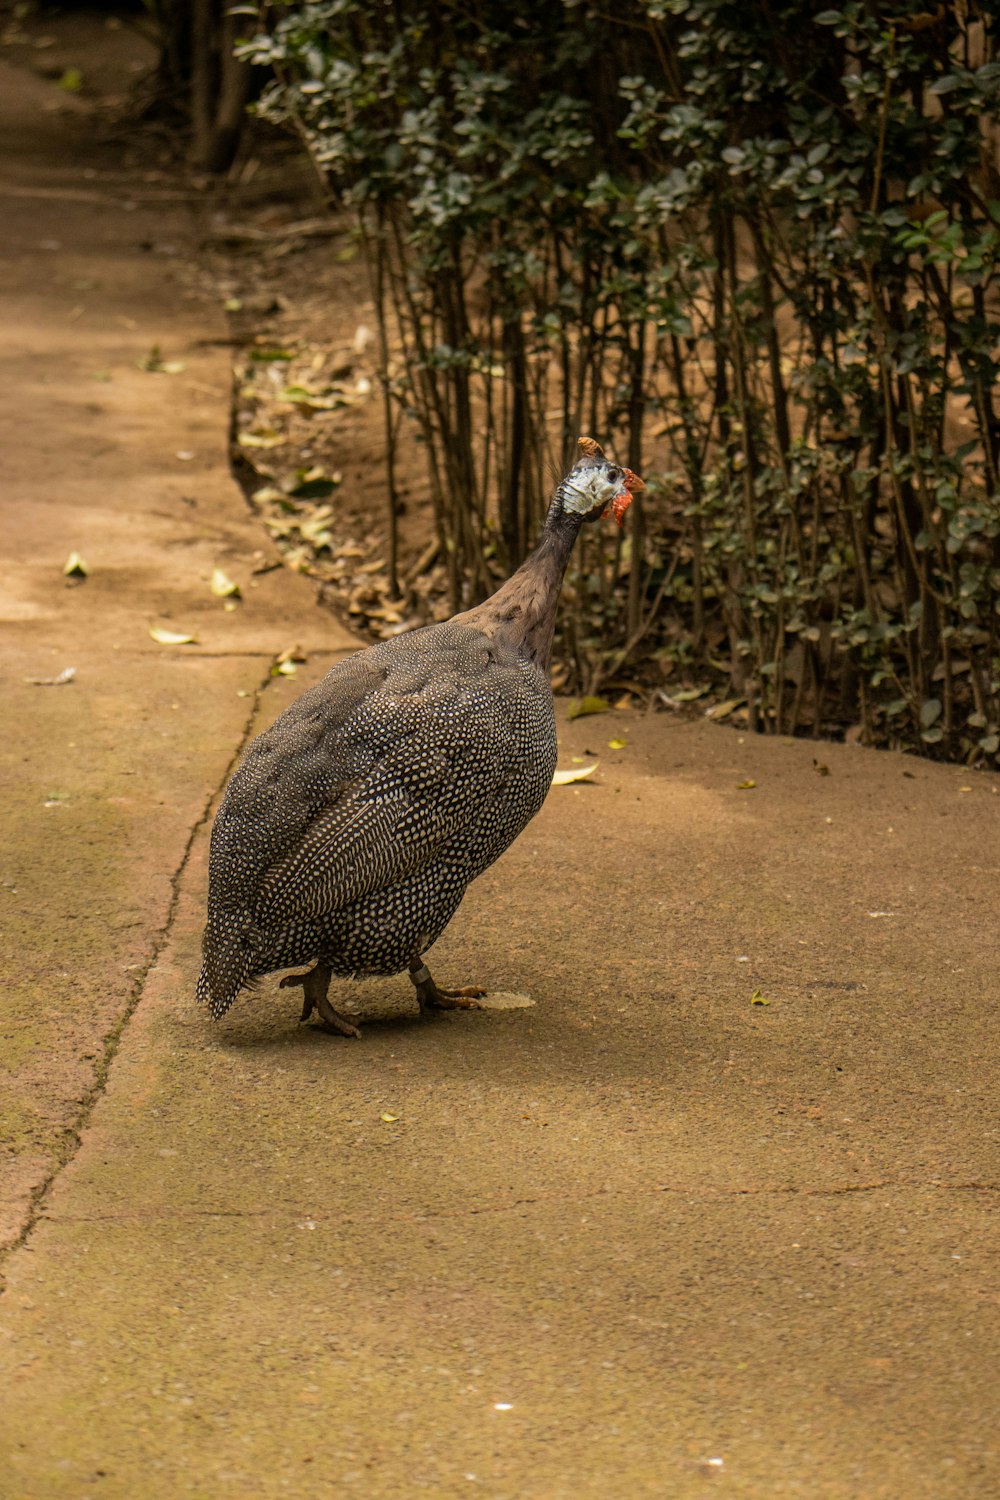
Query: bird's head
{"points": [[594, 484]]}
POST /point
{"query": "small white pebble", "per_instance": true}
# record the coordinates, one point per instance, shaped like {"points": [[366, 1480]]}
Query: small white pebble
{"points": [[503, 1406]]}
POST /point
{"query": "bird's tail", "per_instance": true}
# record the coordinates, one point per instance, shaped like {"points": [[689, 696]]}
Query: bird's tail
{"points": [[227, 962]]}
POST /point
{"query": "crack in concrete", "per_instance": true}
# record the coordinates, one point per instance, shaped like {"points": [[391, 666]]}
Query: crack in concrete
{"points": [[71, 1138], [312, 1217]]}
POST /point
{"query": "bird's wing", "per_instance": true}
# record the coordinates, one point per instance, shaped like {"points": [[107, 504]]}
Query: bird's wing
{"points": [[433, 763]]}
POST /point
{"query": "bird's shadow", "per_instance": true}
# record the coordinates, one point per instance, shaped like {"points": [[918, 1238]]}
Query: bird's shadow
{"points": [[549, 1039]]}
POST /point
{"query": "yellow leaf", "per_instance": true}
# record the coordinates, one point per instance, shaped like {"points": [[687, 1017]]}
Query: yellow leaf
{"points": [[589, 705], [222, 585], [758, 999], [582, 773], [720, 711], [616, 744], [75, 566], [170, 637], [746, 786], [284, 669], [387, 1117]]}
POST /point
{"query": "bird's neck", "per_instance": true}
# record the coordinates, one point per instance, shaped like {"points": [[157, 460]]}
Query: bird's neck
{"points": [[524, 608]]}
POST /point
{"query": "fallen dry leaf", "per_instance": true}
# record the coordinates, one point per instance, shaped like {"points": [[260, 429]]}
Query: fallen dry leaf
{"points": [[66, 675], [581, 773], [746, 786], [222, 585], [588, 705], [720, 711], [170, 637]]}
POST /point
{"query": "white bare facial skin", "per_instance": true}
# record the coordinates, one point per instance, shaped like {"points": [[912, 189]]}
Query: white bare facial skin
{"points": [[584, 493]]}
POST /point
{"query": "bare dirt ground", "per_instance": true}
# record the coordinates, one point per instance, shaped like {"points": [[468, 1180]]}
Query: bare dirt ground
{"points": [[716, 1214]]}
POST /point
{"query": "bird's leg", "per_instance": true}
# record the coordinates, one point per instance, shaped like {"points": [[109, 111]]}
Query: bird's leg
{"points": [[315, 985], [431, 998]]}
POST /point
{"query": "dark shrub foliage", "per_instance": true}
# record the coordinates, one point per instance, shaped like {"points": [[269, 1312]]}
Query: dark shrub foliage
{"points": [[753, 248]]}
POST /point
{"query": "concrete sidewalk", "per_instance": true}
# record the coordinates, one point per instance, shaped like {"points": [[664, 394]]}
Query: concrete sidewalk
{"points": [[640, 1239]]}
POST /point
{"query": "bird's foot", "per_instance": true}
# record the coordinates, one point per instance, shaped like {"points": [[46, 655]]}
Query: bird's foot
{"points": [[315, 985], [429, 997]]}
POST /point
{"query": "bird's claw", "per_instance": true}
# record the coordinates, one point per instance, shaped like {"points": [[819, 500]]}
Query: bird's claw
{"points": [[314, 999], [429, 997]]}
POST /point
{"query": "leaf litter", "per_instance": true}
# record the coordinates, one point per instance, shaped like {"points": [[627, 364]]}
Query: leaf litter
{"points": [[308, 398]]}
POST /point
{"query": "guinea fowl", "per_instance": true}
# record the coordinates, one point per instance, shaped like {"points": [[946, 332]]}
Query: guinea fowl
{"points": [[352, 827]]}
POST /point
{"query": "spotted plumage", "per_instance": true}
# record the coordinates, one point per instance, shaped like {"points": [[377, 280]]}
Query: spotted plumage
{"points": [[353, 826]]}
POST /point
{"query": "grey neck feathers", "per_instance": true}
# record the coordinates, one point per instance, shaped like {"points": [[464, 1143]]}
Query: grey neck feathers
{"points": [[524, 608]]}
